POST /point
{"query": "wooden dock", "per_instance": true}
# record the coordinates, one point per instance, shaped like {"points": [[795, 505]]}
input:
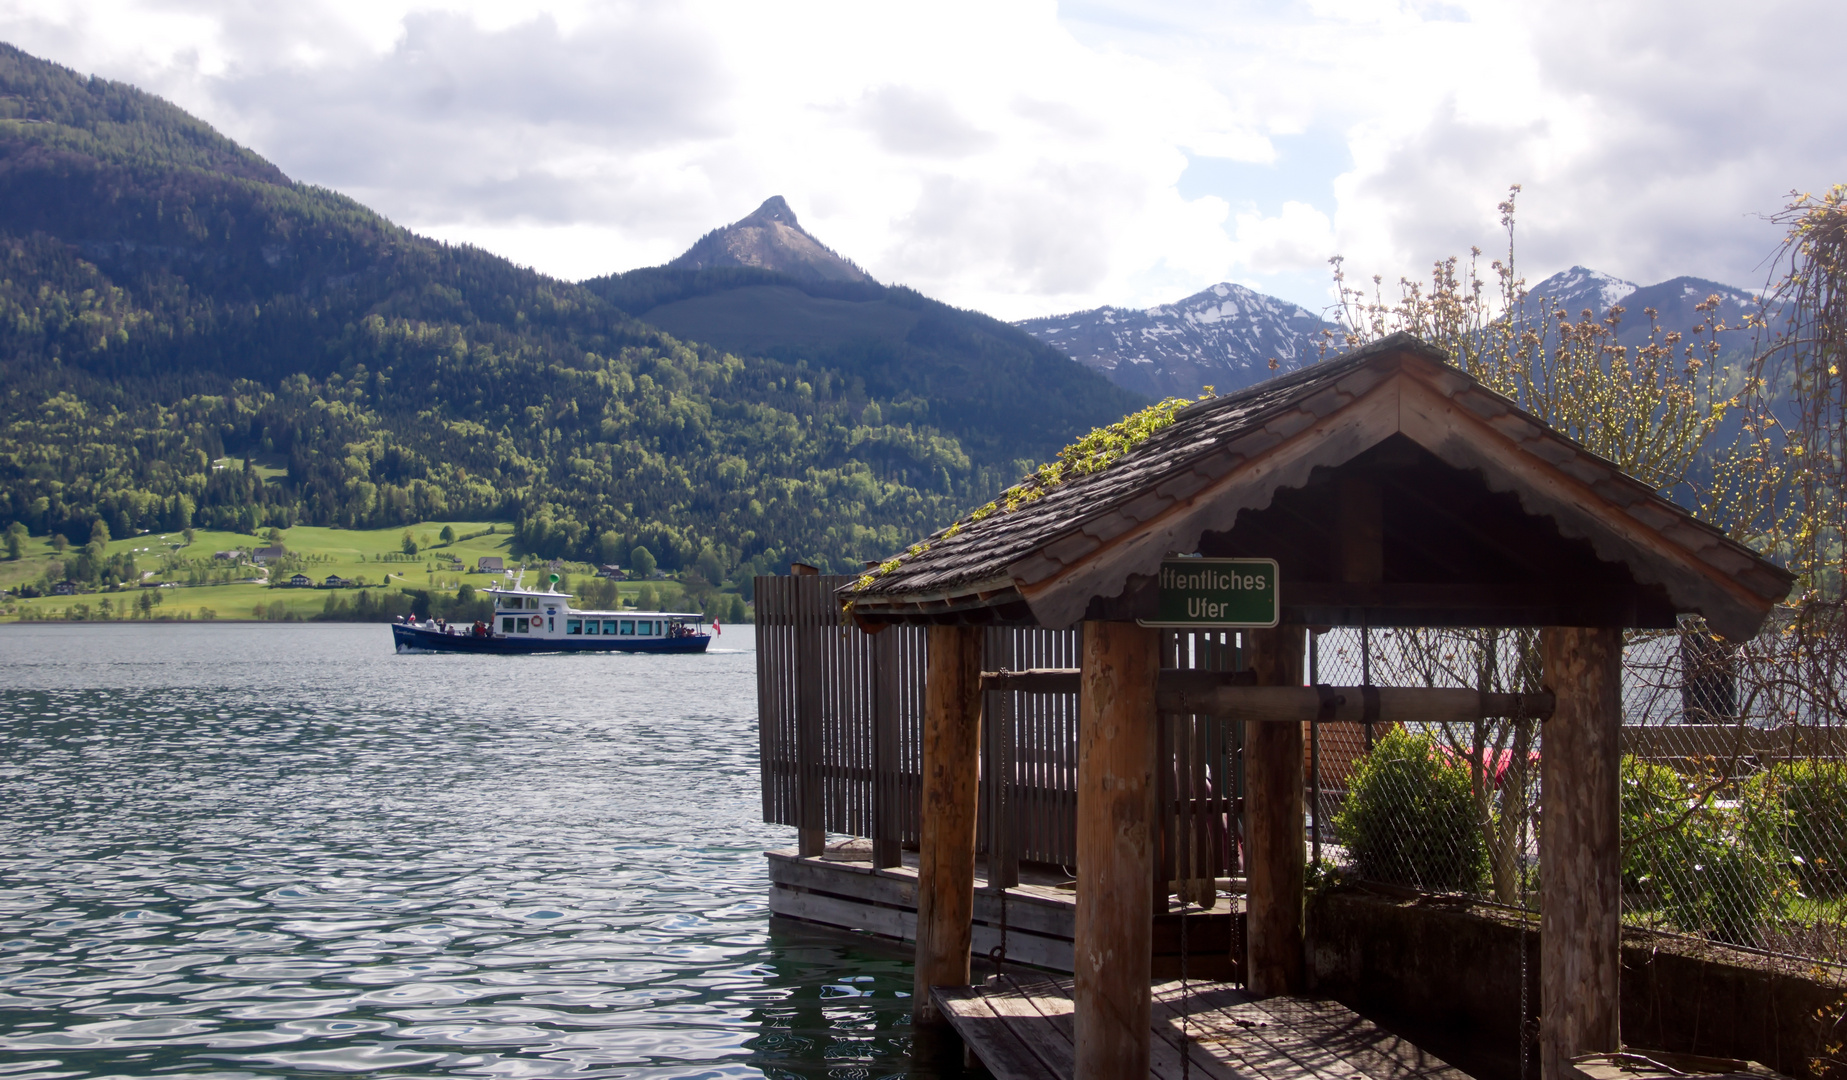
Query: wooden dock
{"points": [[1034, 920], [1020, 1026]]}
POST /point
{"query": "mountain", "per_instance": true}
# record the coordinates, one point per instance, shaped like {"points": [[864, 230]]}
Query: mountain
{"points": [[188, 336], [1226, 337], [769, 239], [1008, 397], [1674, 301]]}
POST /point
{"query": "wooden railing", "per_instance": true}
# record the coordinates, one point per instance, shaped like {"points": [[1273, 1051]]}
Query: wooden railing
{"points": [[840, 718]]}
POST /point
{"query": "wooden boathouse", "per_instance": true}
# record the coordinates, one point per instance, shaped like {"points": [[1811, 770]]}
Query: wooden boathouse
{"points": [[1386, 488]]}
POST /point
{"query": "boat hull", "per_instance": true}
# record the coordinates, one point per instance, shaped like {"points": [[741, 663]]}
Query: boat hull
{"points": [[417, 639]]}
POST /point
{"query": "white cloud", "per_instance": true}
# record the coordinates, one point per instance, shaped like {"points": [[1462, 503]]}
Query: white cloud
{"points": [[1022, 158]]}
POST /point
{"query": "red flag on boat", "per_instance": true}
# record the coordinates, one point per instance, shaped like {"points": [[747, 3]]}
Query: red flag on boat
{"points": [[715, 630]]}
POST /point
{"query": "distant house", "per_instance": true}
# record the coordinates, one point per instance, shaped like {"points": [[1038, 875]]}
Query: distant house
{"points": [[228, 556], [489, 564], [64, 588], [609, 569], [335, 581], [269, 554], [301, 581]]}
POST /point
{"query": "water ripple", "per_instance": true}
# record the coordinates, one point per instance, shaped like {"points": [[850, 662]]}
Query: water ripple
{"points": [[263, 851]]}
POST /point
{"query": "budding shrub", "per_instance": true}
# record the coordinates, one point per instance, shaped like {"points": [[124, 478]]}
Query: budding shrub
{"points": [[1409, 819]]}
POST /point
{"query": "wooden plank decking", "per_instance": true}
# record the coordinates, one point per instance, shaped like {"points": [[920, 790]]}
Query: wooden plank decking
{"points": [[1020, 1026]]}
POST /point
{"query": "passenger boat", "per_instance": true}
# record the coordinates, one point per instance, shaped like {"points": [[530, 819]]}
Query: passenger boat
{"points": [[533, 621]]}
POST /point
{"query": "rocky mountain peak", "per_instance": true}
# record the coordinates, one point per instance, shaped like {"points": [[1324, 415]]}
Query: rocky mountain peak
{"points": [[770, 238], [1225, 336], [775, 209], [1581, 287]]}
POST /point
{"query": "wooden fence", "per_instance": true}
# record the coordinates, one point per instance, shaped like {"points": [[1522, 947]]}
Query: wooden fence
{"points": [[840, 727]]}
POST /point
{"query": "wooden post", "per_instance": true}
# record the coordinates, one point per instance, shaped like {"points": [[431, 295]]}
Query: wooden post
{"points": [[1273, 825], [885, 809], [1114, 931], [1580, 864], [810, 599], [946, 844], [997, 734]]}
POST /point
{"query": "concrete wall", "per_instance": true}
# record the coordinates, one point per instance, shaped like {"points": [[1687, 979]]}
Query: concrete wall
{"points": [[1449, 977]]}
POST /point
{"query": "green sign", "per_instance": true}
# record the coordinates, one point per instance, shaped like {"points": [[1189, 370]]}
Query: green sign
{"points": [[1217, 592]]}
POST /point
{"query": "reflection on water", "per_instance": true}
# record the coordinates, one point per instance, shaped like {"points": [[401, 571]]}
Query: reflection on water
{"points": [[241, 851]]}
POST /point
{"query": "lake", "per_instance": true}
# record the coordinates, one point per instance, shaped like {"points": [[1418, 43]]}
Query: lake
{"points": [[256, 850]]}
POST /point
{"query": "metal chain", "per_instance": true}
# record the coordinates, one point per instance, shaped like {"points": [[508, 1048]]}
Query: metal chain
{"points": [[1526, 817], [1186, 1001], [998, 954]]}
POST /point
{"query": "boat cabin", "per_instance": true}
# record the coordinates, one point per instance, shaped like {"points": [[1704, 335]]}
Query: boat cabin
{"points": [[537, 614]]}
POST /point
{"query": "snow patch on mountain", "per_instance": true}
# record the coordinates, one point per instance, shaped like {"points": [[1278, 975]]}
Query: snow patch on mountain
{"points": [[1580, 287], [1225, 336]]}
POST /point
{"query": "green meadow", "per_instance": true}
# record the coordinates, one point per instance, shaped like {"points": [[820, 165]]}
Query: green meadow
{"points": [[185, 581]]}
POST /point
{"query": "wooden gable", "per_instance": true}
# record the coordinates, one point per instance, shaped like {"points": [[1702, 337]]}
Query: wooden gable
{"points": [[1392, 489]]}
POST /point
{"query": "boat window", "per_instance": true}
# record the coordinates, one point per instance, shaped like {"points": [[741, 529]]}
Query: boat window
{"points": [[609, 626], [628, 626], [590, 626], [575, 626], [645, 627], [506, 625], [522, 625]]}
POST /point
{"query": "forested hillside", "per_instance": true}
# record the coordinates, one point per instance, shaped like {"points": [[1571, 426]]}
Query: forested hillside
{"points": [[1005, 395], [188, 337]]}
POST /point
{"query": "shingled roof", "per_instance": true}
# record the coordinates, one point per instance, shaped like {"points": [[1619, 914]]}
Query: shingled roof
{"points": [[1048, 559]]}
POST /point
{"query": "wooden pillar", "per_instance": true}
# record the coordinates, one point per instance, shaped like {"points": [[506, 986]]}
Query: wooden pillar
{"points": [[946, 845], [1116, 763], [1580, 863], [1273, 808], [886, 811], [811, 600]]}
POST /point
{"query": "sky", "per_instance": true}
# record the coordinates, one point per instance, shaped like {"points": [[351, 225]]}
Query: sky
{"points": [[1025, 158]]}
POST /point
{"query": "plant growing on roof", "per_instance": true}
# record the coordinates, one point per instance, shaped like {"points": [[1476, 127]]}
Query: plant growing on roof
{"points": [[1094, 452]]}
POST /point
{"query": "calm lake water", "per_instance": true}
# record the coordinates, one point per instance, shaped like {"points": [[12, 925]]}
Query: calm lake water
{"points": [[284, 850]]}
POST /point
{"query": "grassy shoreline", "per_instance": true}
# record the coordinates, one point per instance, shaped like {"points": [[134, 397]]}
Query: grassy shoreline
{"points": [[182, 581]]}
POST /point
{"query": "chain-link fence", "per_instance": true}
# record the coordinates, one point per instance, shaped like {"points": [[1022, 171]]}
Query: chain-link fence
{"points": [[1734, 781]]}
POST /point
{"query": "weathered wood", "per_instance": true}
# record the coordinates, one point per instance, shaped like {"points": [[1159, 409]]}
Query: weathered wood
{"points": [[1036, 924], [946, 852], [1228, 694], [1068, 680], [1117, 742], [1361, 515], [987, 1020], [886, 814], [1708, 745], [842, 912], [1580, 848], [1273, 824], [1020, 1025], [1397, 704], [998, 772], [811, 831]]}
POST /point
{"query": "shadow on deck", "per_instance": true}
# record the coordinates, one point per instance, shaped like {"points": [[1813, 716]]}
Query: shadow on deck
{"points": [[1020, 1026]]}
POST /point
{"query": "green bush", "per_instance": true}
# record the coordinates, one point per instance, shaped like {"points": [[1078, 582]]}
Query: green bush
{"points": [[1653, 799], [1713, 864], [1409, 818], [1815, 795]]}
